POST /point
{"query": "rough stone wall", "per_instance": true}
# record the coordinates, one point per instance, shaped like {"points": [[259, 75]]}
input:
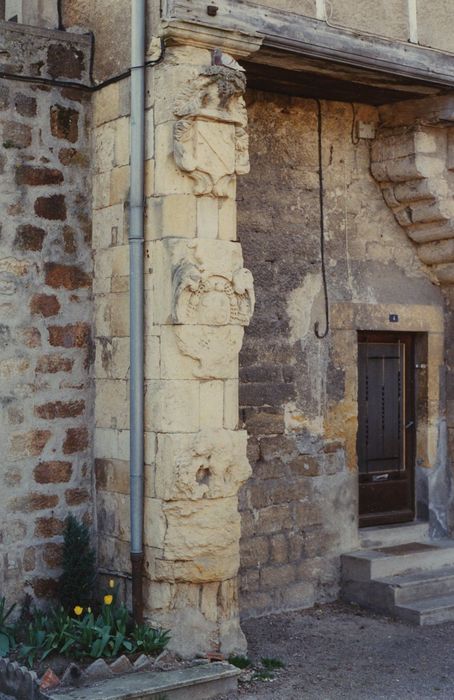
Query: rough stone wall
{"points": [[45, 309], [297, 394]]}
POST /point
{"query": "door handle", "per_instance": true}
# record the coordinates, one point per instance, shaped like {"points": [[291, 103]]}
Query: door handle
{"points": [[409, 424]]}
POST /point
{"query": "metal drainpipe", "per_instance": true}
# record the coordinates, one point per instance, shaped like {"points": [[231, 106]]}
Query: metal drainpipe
{"points": [[136, 300]]}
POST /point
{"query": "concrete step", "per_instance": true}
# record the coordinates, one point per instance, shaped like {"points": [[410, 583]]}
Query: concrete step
{"points": [[392, 535], [383, 562], [195, 683], [428, 611]]}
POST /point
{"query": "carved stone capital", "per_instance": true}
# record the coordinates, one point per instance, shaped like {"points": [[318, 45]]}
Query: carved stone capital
{"points": [[210, 137]]}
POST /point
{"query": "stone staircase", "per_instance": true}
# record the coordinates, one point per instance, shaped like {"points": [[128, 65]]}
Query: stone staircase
{"points": [[401, 572]]}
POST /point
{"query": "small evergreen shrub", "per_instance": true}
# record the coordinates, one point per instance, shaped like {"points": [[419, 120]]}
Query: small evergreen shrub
{"points": [[77, 580]]}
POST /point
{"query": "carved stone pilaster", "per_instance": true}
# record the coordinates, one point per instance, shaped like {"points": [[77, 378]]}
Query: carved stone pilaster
{"points": [[202, 299]]}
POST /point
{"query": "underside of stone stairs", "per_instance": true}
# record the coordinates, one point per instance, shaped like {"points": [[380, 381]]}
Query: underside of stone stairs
{"points": [[401, 572]]}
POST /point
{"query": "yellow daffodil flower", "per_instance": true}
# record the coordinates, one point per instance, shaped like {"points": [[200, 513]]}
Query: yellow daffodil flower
{"points": [[111, 583], [108, 599], [78, 610]]}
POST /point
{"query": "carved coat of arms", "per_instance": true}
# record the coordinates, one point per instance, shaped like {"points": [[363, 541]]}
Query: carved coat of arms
{"points": [[211, 141]]}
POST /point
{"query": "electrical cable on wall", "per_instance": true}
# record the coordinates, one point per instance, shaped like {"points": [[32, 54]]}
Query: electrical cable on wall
{"points": [[322, 227]]}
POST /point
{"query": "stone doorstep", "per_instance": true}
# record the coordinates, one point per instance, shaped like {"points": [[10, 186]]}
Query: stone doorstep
{"points": [[381, 536], [196, 683]]}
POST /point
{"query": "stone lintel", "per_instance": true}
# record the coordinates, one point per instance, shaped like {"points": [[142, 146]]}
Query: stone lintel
{"points": [[236, 43]]}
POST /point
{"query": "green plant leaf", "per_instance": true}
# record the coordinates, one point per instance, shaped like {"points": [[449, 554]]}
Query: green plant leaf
{"points": [[4, 644], [240, 661]]}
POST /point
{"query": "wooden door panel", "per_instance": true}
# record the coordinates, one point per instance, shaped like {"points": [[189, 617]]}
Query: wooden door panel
{"points": [[385, 406]]}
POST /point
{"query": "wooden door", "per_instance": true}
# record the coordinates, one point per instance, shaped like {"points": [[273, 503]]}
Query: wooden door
{"points": [[386, 428]]}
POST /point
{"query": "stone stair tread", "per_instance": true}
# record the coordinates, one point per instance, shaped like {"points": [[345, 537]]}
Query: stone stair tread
{"points": [[413, 577], [408, 549], [376, 536], [411, 580], [428, 605], [398, 559]]}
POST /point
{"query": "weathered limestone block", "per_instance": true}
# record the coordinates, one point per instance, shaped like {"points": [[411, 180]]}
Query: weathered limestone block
{"points": [[171, 216], [172, 406], [200, 529], [199, 538], [112, 404], [113, 514], [209, 464]]}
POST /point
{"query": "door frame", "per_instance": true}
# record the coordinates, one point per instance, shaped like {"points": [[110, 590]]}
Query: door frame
{"points": [[366, 483], [427, 322]]}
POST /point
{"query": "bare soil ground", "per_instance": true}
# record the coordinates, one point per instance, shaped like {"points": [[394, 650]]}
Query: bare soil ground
{"points": [[338, 651]]}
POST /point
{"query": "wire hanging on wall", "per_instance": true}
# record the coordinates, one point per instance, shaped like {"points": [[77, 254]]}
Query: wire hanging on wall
{"points": [[319, 335]]}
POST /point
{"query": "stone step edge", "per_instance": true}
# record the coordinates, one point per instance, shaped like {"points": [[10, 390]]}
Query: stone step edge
{"points": [[425, 606], [376, 536], [365, 557], [415, 578], [147, 683]]}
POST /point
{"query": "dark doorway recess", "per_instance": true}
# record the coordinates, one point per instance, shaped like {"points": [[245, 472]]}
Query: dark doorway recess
{"points": [[386, 428]]}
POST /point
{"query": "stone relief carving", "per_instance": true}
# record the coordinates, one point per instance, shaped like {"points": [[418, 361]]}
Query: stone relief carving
{"points": [[210, 138], [201, 296], [210, 464], [215, 349]]}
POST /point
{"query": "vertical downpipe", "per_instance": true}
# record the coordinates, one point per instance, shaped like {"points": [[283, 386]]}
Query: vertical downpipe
{"points": [[136, 298]]}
